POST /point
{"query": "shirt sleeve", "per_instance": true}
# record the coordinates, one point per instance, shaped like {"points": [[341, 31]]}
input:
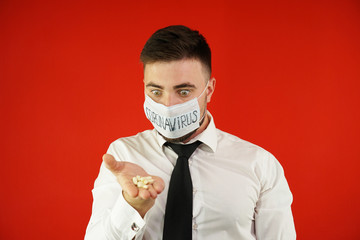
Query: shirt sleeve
{"points": [[112, 217], [273, 216]]}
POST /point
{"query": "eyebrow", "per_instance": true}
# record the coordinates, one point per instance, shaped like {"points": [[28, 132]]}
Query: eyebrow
{"points": [[154, 85], [183, 85]]}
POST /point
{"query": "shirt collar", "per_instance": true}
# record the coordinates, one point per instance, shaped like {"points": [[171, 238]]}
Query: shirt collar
{"points": [[208, 136]]}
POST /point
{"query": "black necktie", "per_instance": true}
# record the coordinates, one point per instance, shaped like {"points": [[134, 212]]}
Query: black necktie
{"points": [[179, 205]]}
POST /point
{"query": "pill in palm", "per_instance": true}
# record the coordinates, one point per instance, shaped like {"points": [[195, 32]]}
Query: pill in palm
{"points": [[142, 182]]}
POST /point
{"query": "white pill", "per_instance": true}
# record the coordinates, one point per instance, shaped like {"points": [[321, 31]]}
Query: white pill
{"points": [[135, 181], [140, 184]]}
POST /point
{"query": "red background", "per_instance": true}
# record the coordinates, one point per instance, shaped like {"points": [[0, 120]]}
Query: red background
{"points": [[71, 82]]}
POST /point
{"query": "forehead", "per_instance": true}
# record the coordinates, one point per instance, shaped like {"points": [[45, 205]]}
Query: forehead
{"points": [[175, 72]]}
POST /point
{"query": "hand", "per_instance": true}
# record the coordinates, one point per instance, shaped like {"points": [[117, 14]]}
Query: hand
{"points": [[139, 198]]}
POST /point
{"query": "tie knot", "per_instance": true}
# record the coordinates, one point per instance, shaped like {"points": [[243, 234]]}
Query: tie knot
{"points": [[184, 150]]}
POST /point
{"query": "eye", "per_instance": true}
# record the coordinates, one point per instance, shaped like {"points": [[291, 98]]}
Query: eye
{"points": [[156, 92], [184, 92]]}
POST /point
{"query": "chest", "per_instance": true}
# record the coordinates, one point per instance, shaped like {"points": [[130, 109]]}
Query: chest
{"points": [[225, 192], [225, 189]]}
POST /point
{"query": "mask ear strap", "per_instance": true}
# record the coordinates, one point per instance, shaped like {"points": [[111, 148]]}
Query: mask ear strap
{"points": [[207, 84], [202, 118]]}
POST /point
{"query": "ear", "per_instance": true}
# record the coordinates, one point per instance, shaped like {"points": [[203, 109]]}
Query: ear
{"points": [[210, 88]]}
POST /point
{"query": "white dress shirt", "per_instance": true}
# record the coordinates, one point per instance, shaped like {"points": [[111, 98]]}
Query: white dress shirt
{"points": [[240, 191]]}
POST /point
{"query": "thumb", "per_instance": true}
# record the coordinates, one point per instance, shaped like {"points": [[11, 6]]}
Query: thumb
{"points": [[111, 163]]}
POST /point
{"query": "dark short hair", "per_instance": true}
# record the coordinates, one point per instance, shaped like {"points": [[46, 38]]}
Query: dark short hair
{"points": [[176, 42]]}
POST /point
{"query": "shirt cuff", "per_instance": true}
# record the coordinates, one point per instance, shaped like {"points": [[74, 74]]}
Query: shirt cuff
{"points": [[125, 218]]}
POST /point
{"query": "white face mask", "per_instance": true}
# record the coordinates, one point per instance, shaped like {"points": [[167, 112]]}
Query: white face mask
{"points": [[174, 121]]}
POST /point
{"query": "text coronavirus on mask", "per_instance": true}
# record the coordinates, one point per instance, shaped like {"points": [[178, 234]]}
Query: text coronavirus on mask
{"points": [[172, 123]]}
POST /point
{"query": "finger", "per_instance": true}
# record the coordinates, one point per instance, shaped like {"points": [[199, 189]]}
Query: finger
{"points": [[129, 188], [144, 193], [152, 191], [129, 195], [158, 184], [111, 163]]}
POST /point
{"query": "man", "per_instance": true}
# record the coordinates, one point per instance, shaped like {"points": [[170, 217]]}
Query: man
{"points": [[238, 190]]}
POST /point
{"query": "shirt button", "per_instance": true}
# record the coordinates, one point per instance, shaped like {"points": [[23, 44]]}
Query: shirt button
{"points": [[195, 226], [190, 162], [135, 227], [194, 191]]}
